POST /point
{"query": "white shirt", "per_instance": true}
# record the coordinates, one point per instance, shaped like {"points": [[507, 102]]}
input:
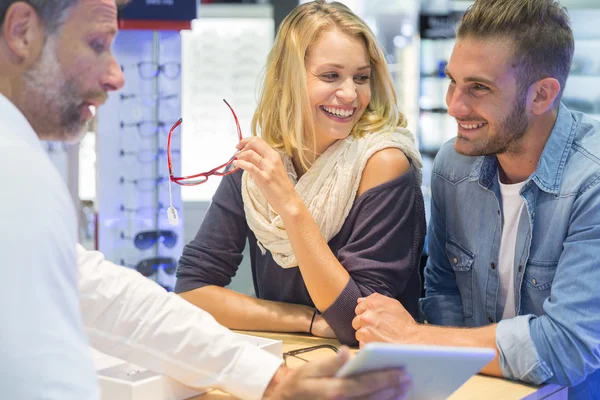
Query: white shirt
{"points": [[131, 317], [512, 206], [44, 350]]}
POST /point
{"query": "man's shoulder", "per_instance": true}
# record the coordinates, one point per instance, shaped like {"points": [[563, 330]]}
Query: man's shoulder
{"points": [[451, 165], [587, 135], [583, 165]]}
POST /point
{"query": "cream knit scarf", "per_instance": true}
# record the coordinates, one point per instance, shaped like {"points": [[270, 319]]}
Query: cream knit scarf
{"points": [[328, 189]]}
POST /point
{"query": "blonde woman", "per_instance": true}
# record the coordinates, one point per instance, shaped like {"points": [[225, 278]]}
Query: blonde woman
{"points": [[328, 192]]}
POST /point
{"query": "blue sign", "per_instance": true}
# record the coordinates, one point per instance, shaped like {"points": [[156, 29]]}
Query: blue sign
{"points": [[160, 10]]}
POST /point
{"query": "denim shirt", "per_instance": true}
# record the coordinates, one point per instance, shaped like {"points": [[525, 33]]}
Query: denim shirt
{"points": [[555, 336]]}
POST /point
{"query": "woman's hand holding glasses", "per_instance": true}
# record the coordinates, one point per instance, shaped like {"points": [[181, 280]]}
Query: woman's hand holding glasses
{"points": [[266, 169]]}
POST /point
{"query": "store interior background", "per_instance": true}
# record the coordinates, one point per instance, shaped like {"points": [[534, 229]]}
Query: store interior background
{"points": [[117, 174]]}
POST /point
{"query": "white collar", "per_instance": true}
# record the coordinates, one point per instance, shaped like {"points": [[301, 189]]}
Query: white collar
{"points": [[15, 127]]}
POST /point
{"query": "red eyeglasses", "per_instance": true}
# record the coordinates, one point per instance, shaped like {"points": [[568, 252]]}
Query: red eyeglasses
{"points": [[197, 179]]}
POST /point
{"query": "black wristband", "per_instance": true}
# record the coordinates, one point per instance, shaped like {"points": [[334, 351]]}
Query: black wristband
{"points": [[311, 321]]}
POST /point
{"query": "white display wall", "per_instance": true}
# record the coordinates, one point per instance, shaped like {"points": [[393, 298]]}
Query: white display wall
{"points": [[222, 58]]}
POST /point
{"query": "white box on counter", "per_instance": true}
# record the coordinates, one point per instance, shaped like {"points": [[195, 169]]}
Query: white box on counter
{"points": [[120, 380], [272, 346]]}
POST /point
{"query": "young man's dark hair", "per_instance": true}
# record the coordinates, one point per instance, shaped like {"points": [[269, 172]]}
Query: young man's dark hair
{"points": [[540, 30]]}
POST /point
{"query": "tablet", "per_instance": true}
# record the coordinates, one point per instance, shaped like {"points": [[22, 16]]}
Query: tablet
{"points": [[436, 371]]}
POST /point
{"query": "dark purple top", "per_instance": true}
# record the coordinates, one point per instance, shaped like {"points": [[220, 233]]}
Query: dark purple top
{"points": [[380, 245]]}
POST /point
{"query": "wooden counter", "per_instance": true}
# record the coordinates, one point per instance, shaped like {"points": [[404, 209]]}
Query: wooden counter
{"points": [[477, 388]]}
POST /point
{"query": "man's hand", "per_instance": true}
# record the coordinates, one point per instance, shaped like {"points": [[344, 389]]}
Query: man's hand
{"points": [[382, 319], [314, 381]]}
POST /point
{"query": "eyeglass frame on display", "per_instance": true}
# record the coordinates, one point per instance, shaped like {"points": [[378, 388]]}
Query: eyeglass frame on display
{"points": [[204, 175], [147, 99], [152, 154], [158, 125], [142, 210], [138, 182], [158, 68], [158, 262], [161, 97], [165, 236]]}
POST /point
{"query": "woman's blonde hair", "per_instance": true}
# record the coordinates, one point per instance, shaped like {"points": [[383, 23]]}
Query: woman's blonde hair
{"points": [[283, 117]]}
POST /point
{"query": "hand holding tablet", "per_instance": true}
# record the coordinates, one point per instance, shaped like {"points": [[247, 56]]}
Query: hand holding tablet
{"points": [[436, 371]]}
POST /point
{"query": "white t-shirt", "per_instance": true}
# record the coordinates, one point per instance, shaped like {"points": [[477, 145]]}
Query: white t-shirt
{"points": [[512, 206], [47, 303]]}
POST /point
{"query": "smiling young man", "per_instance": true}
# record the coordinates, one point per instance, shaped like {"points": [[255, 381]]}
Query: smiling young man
{"points": [[56, 67], [514, 232]]}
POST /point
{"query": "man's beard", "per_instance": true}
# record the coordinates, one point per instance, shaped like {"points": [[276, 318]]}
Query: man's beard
{"points": [[507, 138], [53, 100]]}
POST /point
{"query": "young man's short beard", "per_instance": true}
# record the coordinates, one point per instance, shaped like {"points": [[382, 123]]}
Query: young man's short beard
{"points": [[507, 138]]}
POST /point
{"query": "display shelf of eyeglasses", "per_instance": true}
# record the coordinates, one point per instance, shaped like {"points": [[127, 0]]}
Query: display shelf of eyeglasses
{"points": [[133, 194], [150, 252]]}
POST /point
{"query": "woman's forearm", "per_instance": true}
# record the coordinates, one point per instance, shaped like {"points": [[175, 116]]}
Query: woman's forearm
{"points": [[325, 278], [238, 311]]}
